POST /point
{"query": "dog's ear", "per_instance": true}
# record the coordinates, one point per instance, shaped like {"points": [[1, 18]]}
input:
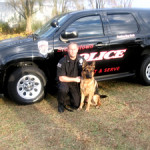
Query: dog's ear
{"points": [[84, 64], [93, 64]]}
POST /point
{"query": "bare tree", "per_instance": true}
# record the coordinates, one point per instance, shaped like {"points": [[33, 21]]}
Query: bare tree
{"points": [[113, 3], [98, 3], [59, 6], [65, 5], [26, 8], [79, 4], [122, 3]]}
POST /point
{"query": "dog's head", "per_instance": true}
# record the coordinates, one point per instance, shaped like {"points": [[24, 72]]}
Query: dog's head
{"points": [[88, 70]]}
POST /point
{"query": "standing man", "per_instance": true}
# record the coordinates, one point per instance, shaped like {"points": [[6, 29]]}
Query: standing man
{"points": [[68, 73]]}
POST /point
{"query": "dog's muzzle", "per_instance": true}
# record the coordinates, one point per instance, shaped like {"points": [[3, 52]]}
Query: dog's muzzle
{"points": [[88, 76]]}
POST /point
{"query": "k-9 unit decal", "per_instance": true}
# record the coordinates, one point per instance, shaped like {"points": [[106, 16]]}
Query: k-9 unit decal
{"points": [[104, 55]]}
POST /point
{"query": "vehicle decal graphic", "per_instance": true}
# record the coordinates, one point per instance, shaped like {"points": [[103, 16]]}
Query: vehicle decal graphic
{"points": [[125, 36], [84, 47], [96, 56], [43, 47], [112, 69], [81, 47]]}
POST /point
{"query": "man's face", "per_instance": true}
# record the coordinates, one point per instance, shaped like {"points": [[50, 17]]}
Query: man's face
{"points": [[72, 51]]}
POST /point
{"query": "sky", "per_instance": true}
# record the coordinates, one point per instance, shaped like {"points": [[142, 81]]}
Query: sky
{"points": [[141, 3], [135, 3]]}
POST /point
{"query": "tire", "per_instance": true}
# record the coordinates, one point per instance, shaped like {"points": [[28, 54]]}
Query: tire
{"points": [[144, 73], [26, 85]]}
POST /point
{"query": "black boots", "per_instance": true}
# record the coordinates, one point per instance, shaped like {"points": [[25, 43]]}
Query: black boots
{"points": [[60, 108]]}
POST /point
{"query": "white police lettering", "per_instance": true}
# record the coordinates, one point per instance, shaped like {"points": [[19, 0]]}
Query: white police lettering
{"points": [[43, 47], [125, 36], [113, 54]]}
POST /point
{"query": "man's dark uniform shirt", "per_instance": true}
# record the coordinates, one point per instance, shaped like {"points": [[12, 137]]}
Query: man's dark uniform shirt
{"points": [[69, 68]]}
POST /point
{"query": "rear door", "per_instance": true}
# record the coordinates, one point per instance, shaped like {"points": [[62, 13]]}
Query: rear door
{"points": [[125, 39]]}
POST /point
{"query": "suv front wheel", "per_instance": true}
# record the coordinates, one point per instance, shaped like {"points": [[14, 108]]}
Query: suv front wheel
{"points": [[145, 71], [26, 85]]}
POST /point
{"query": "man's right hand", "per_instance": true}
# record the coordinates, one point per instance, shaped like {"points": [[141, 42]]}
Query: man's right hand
{"points": [[78, 79]]}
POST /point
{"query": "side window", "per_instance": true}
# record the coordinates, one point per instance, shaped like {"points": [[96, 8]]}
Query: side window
{"points": [[88, 26], [146, 17], [122, 23]]}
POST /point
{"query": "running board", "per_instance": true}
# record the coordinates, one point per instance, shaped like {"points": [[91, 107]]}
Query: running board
{"points": [[113, 76]]}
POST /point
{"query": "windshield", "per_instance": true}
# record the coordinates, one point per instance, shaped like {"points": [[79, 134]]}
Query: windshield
{"points": [[47, 29]]}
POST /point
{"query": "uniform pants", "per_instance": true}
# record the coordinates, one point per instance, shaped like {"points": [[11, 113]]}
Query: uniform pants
{"points": [[71, 89]]}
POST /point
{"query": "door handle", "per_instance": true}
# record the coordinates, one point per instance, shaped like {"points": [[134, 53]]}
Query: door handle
{"points": [[100, 45], [138, 40]]}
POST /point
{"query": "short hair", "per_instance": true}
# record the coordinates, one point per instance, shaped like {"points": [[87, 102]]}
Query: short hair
{"points": [[73, 43]]}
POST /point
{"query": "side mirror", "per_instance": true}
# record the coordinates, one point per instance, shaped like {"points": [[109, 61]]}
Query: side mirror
{"points": [[54, 23], [70, 33]]}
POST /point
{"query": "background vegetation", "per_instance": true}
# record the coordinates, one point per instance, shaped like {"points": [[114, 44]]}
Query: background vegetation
{"points": [[26, 9]]}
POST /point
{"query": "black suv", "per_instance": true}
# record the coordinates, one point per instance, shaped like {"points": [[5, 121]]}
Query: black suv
{"points": [[117, 39]]}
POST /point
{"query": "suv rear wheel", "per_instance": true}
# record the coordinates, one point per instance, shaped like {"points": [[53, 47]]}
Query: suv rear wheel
{"points": [[26, 85], [145, 71]]}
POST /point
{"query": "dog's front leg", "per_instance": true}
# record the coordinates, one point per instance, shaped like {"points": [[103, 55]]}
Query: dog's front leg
{"points": [[88, 103], [82, 101]]}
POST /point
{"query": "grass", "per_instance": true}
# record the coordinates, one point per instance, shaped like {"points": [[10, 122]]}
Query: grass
{"points": [[121, 123], [8, 36]]}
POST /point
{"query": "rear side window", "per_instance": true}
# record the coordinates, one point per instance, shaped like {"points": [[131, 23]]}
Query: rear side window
{"points": [[122, 23], [88, 26], [146, 17]]}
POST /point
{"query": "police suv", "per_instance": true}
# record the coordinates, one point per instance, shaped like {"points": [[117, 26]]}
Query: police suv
{"points": [[118, 40]]}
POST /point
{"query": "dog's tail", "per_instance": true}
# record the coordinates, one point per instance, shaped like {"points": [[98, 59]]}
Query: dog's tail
{"points": [[97, 92], [103, 96], [68, 108]]}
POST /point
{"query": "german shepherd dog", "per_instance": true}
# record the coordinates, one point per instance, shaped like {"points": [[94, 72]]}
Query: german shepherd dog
{"points": [[89, 87]]}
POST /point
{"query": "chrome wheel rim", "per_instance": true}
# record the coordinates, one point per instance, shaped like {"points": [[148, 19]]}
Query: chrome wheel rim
{"points": [[29, 87], [148, 71]]}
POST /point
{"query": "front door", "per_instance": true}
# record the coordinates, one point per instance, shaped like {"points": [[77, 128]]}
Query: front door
{"points": [[92, 42]]}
